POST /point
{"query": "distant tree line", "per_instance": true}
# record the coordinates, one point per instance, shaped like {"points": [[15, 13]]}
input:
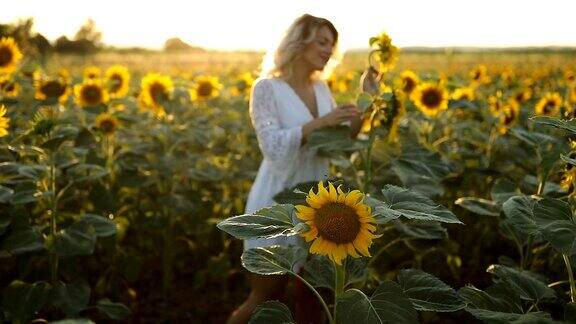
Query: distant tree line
{"points": [[87, 40]]}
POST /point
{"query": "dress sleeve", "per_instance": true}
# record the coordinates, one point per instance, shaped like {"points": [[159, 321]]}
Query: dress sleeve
{"points": [[276, 143]]}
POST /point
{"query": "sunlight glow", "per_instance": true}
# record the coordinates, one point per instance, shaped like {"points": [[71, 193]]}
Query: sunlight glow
{"points": [[255, 24]]}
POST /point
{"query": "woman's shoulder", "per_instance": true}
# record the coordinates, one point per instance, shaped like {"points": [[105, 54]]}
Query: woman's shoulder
{"points": [[265, 82]]}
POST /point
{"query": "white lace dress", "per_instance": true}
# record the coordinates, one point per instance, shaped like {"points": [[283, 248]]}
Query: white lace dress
{"points": [[278, 114]]}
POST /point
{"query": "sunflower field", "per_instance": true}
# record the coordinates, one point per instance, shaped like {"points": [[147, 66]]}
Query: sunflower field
{"points": [[123, 185]]}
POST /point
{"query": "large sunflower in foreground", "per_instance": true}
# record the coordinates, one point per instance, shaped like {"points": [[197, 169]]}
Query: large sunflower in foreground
{"points": [[549, 105], [430, 98], [340, 223], [90, 93], [205, 87], [10, 55], [155, 90], [117, 80]]}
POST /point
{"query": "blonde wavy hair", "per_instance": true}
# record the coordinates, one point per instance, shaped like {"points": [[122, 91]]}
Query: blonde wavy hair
{"points": [[279, 60]]}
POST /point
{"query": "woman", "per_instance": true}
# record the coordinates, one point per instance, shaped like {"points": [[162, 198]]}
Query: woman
{"points": [[287, 103]]}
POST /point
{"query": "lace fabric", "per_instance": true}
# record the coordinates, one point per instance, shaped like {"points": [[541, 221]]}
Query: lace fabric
{"points": [[276, 143]]}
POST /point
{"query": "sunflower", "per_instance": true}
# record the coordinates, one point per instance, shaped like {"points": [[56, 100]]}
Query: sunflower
{"points": [[466, 93], [509, 116], [90, 93], [107, 123], [243, 84], [430, 98], [117, 80], [4, 122], [92, 72], [549, 105], [409, 80], [496, 104], [10, 55], [386, 53], [479, 75], [155, 90], [205, 87], [340, 223], [8, 88], [51, 89], [522, 96], [570, 77]]}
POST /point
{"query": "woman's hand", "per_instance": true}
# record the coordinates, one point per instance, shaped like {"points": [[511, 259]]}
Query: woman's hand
{"points": [[341, 114]]}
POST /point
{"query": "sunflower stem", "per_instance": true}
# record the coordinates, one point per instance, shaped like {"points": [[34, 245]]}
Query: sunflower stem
{"points": [[326, 309], [340, 271], [566, 258]]}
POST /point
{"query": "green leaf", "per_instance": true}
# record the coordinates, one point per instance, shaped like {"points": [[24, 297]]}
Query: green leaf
{"points": [[271, 312], [424, 230], [20, 197], [319, 271], [570, 312], [399, 202], [568, 159], [115, 311], [264, 223], [273, 260], [103, 226], [493, 317], [556, 223], [523, 282], [5, 220], [334, 140], [569, 125], [34, 172], [22, 300], [5, 194], [498, 298], [86, 172], [519, 211], [295, 195], [388, 304], [73, 321], [22, 241], [503, 189], [72, 298], [364, 101], [78, 239], [429, 293], [479, 206]]}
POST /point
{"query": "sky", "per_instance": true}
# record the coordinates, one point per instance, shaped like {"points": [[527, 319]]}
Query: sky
{"points": [[258, 24]]}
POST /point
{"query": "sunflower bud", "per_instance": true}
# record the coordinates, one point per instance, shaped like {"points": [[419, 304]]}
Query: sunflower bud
{"points": [[368, 82]]}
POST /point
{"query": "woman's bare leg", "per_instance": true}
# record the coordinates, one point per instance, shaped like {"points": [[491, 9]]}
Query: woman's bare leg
{"points": [[263, 288]]}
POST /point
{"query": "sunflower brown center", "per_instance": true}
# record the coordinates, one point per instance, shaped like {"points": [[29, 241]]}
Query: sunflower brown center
{"points": [[92, 94], [550, 104], [107, 126], [158, 93], [338, 223], [205, 89], [409, 85], [6, 55], [52, 89], [431, 98]]}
